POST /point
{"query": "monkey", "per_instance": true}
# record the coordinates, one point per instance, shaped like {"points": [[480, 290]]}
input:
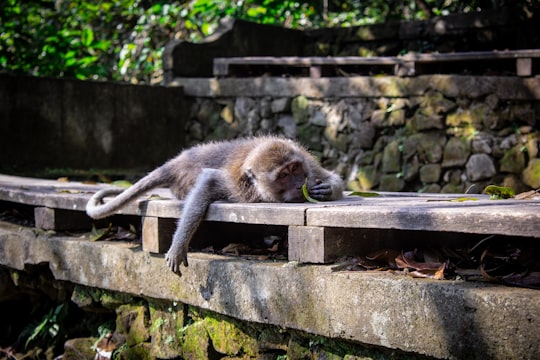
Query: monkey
{"points": [[254, 169]]}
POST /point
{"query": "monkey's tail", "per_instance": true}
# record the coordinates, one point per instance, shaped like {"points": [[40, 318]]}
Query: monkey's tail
{"points": [[96, 209]]}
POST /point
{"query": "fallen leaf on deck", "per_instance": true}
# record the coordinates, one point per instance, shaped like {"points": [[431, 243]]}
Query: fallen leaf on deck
{"points": [[99, 234], [528, 195], [499, 192], [236, 249], [407, 260], [460, 199], [113, 233], [364, 194], [387, 256], [437, 274], [68, 191], [157, 197], [121, 183]]}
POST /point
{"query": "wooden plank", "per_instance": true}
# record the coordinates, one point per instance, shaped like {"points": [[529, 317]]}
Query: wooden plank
{"points": [[322, 245], [524, 67], [472, 56], [504, 217], [60, 219], [248, 213], [157, 234], [405, 68], [306, 244], [405, 211], [74, 196], [404, 65]]}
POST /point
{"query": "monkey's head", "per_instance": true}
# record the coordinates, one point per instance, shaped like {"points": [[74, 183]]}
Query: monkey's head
{"points": [[277, 171]]}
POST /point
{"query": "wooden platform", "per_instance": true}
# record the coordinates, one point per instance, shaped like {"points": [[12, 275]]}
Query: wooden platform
{"points": [[515, 62], [317, 233]]}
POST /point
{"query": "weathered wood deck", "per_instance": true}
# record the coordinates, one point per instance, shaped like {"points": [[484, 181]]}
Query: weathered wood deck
{"points": [[317, 233], [514, 62]]}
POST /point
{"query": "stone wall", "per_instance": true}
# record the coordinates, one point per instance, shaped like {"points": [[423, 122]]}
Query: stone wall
{"points": [[437, 133]]}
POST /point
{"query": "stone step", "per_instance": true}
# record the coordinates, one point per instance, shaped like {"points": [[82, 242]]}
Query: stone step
{"points": [[440, 319]]}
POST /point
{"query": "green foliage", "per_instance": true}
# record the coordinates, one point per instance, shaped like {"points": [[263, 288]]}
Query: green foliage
{"points": [[49, 328], [124, 39]]}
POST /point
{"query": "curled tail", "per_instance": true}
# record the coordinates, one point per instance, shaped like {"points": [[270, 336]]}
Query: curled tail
{"points": [[96, 209]]}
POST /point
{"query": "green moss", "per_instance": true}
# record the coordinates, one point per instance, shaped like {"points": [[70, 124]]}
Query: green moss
{"points": [[299, 107], [195, 342], [513, 160], [166, 319], [85, 296], [368, 177], [139, 351], [228, 338], [531, 175], [132, 321]]}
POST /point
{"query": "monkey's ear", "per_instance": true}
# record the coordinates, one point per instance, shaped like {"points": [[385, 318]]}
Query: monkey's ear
{"points": [[251, 176], [248, 177]]}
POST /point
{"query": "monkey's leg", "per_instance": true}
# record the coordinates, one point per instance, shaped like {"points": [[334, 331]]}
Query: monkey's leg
{"points": [[210, 186]]}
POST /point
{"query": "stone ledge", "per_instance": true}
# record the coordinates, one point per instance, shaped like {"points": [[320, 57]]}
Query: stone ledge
{"points": [[444, 319], [505, 87]]}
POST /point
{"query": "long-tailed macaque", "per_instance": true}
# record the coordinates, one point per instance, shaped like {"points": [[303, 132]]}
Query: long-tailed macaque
{"points": [[257, 169]]}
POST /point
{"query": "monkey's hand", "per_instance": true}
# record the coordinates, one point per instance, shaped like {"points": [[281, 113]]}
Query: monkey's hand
{"points": [[321, 190], [176, 256]]}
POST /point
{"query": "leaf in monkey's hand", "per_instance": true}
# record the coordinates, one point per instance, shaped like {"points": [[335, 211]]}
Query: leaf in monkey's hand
{"points": [[121, 183], [305, 193], [499, 192], [100, 234]]}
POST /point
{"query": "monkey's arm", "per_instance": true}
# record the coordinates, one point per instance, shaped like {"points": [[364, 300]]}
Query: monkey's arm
{"points": [[210, 186]]}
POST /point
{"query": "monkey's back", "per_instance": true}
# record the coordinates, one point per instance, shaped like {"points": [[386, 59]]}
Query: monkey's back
{"points": [[224, 155]]}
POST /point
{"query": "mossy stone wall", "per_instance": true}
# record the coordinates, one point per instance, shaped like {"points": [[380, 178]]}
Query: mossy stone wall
{"points": [[428, 134]]}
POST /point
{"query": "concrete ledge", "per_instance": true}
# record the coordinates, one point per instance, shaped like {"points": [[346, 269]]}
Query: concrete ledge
{"points": [[505, 87], [443, 319]]}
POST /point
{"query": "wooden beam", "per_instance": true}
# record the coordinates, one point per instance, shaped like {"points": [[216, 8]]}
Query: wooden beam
{"points": [[524, 66], [60, 219], [157, 234]]}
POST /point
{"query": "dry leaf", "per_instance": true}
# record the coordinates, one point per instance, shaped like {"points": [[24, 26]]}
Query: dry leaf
{"points": [[529, 195]]}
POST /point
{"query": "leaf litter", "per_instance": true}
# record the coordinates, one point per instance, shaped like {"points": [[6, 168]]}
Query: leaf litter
{"points": [[493, 259]]}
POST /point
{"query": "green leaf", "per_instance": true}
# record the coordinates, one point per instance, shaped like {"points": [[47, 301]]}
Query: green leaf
{"points": [[121, 183], [98, 234], [87, 36], [364, 194], [305, 193], [499, 192]]}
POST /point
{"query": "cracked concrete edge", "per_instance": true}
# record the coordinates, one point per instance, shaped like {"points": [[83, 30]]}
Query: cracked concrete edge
{"points": [[443, 319]]}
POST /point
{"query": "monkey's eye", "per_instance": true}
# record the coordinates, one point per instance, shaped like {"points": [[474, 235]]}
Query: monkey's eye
{"points": [[282, 175]]}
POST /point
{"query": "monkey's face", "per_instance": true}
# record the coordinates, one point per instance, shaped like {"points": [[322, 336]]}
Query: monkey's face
{"points": [[287, 182]]}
